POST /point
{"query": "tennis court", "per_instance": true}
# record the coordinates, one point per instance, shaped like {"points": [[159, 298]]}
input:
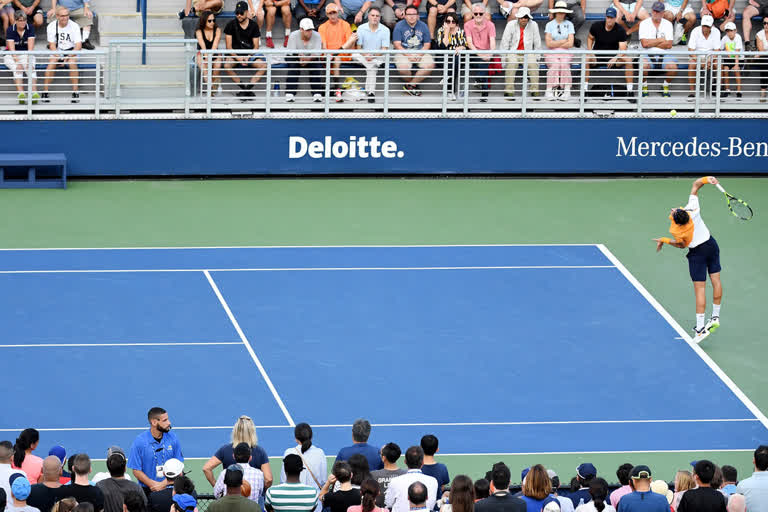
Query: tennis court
{"points": [[493, 348]]}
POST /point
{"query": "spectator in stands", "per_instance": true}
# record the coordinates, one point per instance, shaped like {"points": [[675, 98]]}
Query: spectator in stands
{"points": [[704, 38], [361, 431], [392, 11], [315, 466], [675, 11], [390, 453], [722, 11], [80, 13], [642, 499], [622, 474], [271, 7], [522, 33], [371, 37], [20, 37], [460, 498], [500, 500], [335, 34], [730, 480], [354, 11], [466, 9], [360, 470], [20, 490], [737, 503], [160, 500], [431, 467], [61, 453], [585, 473], [396, 498], [559, 35], [42, 496], [661, 487], [656, 37], [32, 9], [369, 492], [253, 476], [3, 499], [683, 482], [312, 9], [762, 47], [417, 496], [436, 11], [306, 38], [755, 488], [574, 9], [244, 431], [509, 8], [752, 9], [482, 488], [64, 35], [346, 495], [133, 502], [6, 470], [451, 37], [630, 14], [703, 498], [233, 500], [566, 505], [208, 35], [608, 35], [152, 449], [23, 459], [598, 491], [537, 489], [194, 7], [731, 43], [184, 503], [242, 33], [80, 488], [292, 495], [412, 34], [117, 486], [481, 35]]}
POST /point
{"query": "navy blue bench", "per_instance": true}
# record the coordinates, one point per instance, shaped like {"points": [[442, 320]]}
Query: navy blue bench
{"points": [[33, 170]]}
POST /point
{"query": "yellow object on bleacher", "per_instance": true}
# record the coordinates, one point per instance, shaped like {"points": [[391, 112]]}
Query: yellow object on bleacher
{"points": [[350, 83]]}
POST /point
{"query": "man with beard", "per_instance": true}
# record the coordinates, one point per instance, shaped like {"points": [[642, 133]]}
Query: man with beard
{"points": [[152, 449]]}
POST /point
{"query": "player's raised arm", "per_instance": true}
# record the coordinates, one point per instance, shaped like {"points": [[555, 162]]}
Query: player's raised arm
{"points": [[701, 182]]}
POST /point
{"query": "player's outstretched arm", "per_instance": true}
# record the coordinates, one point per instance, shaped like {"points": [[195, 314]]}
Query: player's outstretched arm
{"points": [[665, 240], [701, 182]]}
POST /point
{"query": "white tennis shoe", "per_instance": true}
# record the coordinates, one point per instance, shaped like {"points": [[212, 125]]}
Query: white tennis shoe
{"points": [[699, 335]]}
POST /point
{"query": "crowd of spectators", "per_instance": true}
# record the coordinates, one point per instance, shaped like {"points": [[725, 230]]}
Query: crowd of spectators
{"points": [[363, 478]]}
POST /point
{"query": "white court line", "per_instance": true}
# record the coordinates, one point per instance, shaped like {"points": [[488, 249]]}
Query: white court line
{"points": [[286, 247], [249, 347], [159, 344], [302, 269], [697, 349], [378, 425]]}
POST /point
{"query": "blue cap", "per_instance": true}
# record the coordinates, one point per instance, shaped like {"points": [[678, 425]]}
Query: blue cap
{"points": [[59, 451], [693, 463], [20, 487], [185, 501], [658, 6], [610, 12], [524, 473], [586, 471]]}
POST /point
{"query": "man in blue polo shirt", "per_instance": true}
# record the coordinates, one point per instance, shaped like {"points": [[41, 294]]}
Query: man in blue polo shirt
{"points": [[21, 38], [152, 449], [361, 429]]}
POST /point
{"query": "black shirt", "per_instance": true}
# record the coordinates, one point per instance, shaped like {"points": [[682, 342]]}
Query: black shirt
{"points": [[43, 497], [84, 493], [607, 40], [242, 38], [501, 502], [702, 499], [340, 501]]}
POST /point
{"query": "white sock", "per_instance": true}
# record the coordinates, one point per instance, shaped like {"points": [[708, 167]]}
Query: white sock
{"points": [[86, 33], [586, 85], [269, 33], [645, 84], [666, 84], [629, 87], [287, 32], [699, 321], [716, 310]]}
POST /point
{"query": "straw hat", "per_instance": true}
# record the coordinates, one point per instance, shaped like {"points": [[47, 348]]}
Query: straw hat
{"points": [[560, 6]]}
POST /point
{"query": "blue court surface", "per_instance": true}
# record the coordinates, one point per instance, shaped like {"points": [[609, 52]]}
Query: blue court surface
{"points": [[495, 349]]}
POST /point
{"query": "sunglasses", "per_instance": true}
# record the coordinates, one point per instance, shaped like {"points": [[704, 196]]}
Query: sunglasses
{"points": [[450, 22], [478, 13], [211, 21]]}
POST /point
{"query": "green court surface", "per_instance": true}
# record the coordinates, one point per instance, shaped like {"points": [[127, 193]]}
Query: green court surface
{"points": [[623, 214]]}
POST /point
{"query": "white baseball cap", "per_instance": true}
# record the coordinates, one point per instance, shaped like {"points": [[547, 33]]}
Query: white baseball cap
{"points": [[730, 26], [523, 12], [306, 24], [707, 20], [173, 468]]}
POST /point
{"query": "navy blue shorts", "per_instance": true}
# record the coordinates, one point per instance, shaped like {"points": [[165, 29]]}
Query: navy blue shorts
{"points": [[703, 259]]}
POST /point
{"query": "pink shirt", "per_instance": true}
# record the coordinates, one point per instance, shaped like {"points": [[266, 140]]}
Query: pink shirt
{"points": [[481, 36], [359, 508], [32, 466], [618, 493]]}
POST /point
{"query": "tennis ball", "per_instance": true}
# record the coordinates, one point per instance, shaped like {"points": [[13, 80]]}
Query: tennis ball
{"points": [[673, 112]]}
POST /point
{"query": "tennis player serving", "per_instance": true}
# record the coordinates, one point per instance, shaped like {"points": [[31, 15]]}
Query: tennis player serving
{"points": [[689, 231]]}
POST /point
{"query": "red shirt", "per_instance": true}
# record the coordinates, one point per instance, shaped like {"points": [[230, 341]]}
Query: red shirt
{"points": [[520, 45]]}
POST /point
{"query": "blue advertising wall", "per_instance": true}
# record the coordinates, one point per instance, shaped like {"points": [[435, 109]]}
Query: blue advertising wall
{"points": [[381, 146]]}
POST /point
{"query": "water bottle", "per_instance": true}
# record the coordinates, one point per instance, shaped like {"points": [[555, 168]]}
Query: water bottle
{"points": [[276, 90]]}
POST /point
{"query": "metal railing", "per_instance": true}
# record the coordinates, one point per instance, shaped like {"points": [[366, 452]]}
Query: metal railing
{"points": [[325, 83]]}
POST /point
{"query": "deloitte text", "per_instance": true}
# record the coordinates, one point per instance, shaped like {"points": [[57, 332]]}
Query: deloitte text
{"points": [[355, 147], [735, 147]]}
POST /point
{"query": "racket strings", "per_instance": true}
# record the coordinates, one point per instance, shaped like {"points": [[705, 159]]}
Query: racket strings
{"points": [[740, 208]]}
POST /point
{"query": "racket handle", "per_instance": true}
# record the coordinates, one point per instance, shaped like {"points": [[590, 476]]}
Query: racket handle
{"points": [[720, 188]]}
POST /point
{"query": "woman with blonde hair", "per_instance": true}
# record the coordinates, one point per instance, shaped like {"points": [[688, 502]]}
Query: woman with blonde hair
{"points": [[64, 505], [244, 431], [683, 482]]}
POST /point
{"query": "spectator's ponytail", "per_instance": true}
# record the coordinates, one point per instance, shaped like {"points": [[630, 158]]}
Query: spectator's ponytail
{"points": [[303, 434], [369, 490], [24, 442], [598, 489]]}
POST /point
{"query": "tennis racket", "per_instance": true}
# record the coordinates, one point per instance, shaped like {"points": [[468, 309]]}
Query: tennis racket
{"points": [[738, 207]]}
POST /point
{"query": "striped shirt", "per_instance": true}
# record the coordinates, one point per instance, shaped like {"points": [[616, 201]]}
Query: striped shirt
{"points": [[253, 476], [292, 497]]}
